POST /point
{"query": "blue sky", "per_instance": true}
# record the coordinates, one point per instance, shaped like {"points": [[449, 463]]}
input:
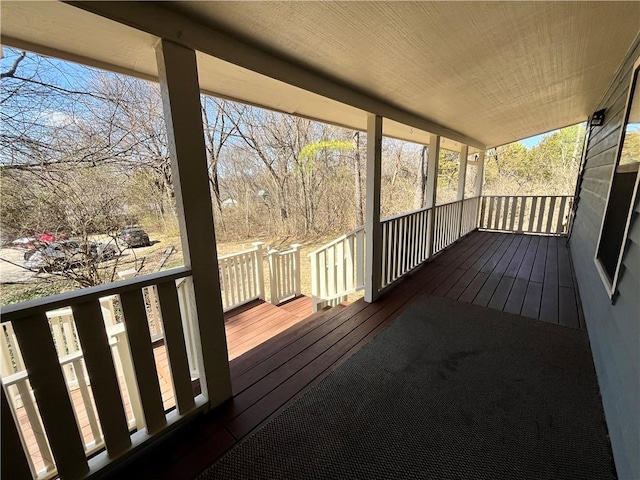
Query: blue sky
{"points": [[71, 75], [54, 71], [533, 141]]}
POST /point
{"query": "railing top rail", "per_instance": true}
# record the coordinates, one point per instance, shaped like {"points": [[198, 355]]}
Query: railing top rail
{"points": [[237, 254], [403, 214], [337, 240], [528, 196], [419, 210], [10, 313], [456, 201], [282, 254], [451, 202], [382, 220]]}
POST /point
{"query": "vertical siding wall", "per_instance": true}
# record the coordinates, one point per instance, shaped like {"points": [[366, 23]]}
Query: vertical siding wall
{"points": [[614, 330]]}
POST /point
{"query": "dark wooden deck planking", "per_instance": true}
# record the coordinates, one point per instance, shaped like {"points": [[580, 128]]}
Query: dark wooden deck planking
{"points": [[253, 324], [483, 268]]}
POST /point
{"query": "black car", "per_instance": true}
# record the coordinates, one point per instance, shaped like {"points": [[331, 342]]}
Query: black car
{"points": [[134, 237]]}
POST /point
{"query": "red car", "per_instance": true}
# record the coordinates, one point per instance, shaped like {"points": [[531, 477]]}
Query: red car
{"points": [[50, 237]]}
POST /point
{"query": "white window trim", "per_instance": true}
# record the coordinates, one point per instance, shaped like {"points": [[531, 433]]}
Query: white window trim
{"points": [[612, 286]]}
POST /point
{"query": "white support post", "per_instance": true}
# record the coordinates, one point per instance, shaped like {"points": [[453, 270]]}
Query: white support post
{"points": [[462, 172], [259, 269], [432, 187], [462, 180], [479, 182], [315, 283], [480, 174], [372, 225], [178, 74], [274, 277], [297, 288]]}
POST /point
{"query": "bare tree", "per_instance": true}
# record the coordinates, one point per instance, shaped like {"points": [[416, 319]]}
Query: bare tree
{"points": [[84, 203], [218, 132], [260, 132], [420, 195], [357, 177]]}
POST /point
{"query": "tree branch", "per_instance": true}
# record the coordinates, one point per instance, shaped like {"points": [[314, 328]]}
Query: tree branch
{"points": [[12, 71]]}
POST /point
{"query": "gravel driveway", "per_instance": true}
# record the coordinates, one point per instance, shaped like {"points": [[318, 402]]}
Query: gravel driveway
{"points": [[14, 272]]}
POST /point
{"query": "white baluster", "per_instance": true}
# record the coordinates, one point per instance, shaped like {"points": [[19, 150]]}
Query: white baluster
{"points": [[176, 348], [552, 210], [543, 201], [139, 341], [561, 213], [532, 214], [14, 462], [41, 359]]}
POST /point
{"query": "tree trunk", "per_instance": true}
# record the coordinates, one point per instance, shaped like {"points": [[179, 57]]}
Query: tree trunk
{"points": [[421, 179], [357, 167], [576, 147]]}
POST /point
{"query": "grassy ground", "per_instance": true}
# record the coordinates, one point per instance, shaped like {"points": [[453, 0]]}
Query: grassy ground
{"points": [[150, 257], [22, 292]]}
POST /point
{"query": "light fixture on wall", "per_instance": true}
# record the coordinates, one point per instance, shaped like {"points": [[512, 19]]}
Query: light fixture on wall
{"points": [[597, 118]]}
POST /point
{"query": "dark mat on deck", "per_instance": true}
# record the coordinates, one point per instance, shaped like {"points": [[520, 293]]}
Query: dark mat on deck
{"points": [[448, 391]]}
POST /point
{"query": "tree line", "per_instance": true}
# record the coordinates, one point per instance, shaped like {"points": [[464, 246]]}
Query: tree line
{"points": [[85, 151]]}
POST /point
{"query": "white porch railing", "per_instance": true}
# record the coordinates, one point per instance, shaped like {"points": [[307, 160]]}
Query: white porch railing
{"points": [[337, 269], [446, 229], [404, 244], [452, 221], [409, 239], [144, 304], [284, 274], [543, 215], [73, 342], [241, 277], [469, 221], [150, 301]]}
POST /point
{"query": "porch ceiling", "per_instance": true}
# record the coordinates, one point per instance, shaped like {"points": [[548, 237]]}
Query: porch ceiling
{"points": [[483, 72]]}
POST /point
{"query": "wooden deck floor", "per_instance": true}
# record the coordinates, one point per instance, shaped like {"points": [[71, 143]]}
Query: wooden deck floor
{"points": [[485, 268], [256, 322], [527, 275]]}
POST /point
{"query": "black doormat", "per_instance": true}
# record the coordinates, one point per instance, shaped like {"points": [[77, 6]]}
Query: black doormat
{"points": [[448, 391]]}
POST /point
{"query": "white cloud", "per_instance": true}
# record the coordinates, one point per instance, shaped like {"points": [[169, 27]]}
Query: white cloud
{"points": [[56, 118]]}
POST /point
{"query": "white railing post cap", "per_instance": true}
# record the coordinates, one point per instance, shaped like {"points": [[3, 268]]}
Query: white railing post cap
{"points": [[129, 273]]}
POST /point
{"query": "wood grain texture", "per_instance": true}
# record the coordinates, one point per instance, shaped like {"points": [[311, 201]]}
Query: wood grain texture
{"points": [[272, 376]]}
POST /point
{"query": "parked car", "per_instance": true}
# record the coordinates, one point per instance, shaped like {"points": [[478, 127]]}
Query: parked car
{"points": [[47, 237], [102, 251], [65, 254], [134, 237], [38, 240]]}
